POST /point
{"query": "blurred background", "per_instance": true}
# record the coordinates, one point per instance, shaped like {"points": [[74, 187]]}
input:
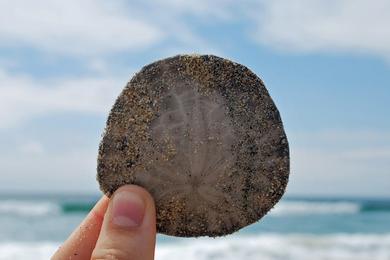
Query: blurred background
{"points": [[326, 64]]}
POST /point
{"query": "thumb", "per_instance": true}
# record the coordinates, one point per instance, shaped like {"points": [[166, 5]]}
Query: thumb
{"points": [[129, 226]]}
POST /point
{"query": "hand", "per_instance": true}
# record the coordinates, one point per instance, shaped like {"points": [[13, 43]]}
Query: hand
{"points": [[123, 227]]}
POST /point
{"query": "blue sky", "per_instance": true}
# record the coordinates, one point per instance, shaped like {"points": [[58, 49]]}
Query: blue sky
{"points": [[325, 63]]}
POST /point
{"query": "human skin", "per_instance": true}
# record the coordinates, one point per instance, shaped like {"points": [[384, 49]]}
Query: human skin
{"points": [[120, 227]]}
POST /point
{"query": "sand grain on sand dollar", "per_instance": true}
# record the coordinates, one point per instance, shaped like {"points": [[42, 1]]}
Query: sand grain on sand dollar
{"points": [[203, 136]]}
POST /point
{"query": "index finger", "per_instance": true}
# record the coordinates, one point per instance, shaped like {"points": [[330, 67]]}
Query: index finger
{"points": [[81, 242]]}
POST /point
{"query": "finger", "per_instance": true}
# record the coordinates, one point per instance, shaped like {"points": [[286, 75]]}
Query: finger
{"points": [[82, 241], [129, 226]]}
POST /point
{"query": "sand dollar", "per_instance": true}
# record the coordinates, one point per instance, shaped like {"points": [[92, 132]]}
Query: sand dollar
{"points": [[203, 136]]}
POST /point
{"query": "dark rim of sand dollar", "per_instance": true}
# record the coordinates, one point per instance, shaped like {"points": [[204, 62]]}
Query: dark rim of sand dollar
{"points": [[203, 136]]}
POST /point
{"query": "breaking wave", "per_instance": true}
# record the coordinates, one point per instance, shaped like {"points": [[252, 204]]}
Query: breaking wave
{"points": [[265, 247], [283, 208]]}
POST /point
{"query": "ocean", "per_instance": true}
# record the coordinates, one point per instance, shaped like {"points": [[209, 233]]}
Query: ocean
{"points": [[32, 227]]}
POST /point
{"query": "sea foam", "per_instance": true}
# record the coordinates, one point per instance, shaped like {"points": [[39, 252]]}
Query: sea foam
{"points": [[283, 208], [315, 207], [28, 208], [277, 246], [264, 247]]}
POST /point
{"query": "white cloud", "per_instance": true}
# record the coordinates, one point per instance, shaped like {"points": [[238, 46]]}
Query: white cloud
{"points": [[343, 137], [32, 148], [329, 173], [23, 98], [95, 27], [370, 153], [78, 27], [217, 9], [343, 162], [358, 26], [54, 171]]}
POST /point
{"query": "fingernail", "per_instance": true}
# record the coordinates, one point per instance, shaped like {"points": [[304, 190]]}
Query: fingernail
{"points": [[128, 209]]}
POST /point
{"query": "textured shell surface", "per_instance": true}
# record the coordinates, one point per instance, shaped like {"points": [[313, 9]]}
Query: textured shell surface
{"points": [[203, 136]]}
